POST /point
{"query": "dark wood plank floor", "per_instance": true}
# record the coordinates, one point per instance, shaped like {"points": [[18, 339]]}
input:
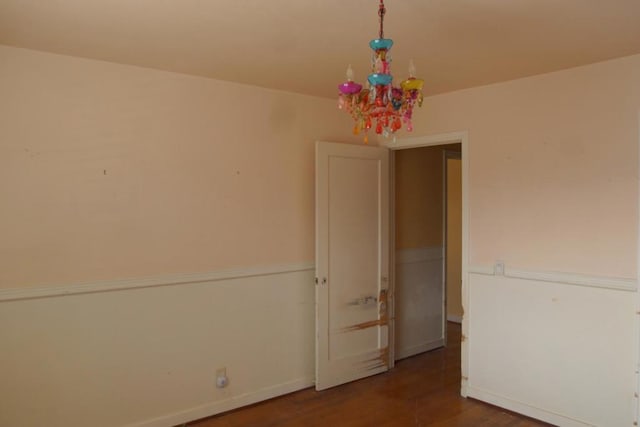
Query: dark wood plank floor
{"points": [[423, 390]]}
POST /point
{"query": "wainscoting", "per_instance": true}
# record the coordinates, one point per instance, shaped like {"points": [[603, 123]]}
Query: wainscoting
{"points": [[561, 349], [146, 354], [419, 313]]}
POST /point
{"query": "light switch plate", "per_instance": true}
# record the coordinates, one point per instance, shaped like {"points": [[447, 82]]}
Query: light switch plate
{"points": [[498, 268]]}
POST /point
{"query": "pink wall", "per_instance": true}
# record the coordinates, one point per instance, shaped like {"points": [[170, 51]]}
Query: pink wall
{"points": [[110, 171], [204, 175], [553, 167]]}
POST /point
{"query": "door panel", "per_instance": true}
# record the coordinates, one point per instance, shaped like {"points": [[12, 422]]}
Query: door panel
{"points": [[351, 262]]}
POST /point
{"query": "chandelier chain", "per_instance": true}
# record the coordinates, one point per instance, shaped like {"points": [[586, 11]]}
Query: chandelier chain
{"points": [[381, 11]]}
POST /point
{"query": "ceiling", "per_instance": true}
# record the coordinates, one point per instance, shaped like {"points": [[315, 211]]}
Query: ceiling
{"points": [[305, 46]]}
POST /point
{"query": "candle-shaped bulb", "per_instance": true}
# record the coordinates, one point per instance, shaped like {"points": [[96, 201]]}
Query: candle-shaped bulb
{"points": [[412, 69], [349, 74]]}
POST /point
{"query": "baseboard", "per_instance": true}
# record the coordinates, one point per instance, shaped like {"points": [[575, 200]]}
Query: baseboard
{"points": [[402, 353], [221, 406], [454, 319], [523, 408]]}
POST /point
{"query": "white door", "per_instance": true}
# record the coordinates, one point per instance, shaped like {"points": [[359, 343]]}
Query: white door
{"points": [[352, 262]]}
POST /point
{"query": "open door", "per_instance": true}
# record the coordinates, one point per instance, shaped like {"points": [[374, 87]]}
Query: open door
{"points": [[352, 262]]}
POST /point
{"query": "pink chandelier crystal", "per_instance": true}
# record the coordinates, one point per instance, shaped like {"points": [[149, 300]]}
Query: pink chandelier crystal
{"points": [[380, 103]]}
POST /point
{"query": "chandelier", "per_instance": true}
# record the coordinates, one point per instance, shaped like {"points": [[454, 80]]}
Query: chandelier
{"points": [[381, 103]]}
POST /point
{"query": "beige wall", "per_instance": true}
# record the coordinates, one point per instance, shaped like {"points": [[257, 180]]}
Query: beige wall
{"points": [[418, 197], [111, 171]]}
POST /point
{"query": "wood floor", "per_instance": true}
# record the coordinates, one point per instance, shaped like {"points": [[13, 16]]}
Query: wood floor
{"points": [[423, 390]]}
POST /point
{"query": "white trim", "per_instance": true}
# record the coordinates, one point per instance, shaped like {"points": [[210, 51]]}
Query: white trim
{"points": [[426, 141], [446, 156], [454, 319], [523, 408], [636, 402], [615, 283], [15, 294], [218, 407], [481, 269], [424, 254], [466, 213], [402, 353], [393, 259]]}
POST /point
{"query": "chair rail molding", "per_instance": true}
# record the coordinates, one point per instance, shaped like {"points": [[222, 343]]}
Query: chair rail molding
{"points": [[16, 294]]}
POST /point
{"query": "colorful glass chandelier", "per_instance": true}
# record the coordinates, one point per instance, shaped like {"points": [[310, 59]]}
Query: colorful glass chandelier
{"points": [[380, 103]]}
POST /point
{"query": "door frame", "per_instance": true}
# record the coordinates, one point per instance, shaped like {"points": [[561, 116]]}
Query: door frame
{"points": [[427, 141], [446, 155]]}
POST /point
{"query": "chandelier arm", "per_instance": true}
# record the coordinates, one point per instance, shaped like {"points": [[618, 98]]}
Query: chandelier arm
{"points": [[381, 11]]}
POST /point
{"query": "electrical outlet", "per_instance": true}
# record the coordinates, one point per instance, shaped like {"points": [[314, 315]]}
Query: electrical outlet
{"points": [[221, 378], [498, 268]]}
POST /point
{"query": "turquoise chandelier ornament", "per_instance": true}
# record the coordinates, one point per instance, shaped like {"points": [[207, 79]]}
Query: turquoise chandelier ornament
{"points": [[381, 103]]}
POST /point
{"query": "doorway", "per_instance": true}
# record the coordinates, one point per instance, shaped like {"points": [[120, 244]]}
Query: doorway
{"points": [[461, 138], [424, 263]]}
